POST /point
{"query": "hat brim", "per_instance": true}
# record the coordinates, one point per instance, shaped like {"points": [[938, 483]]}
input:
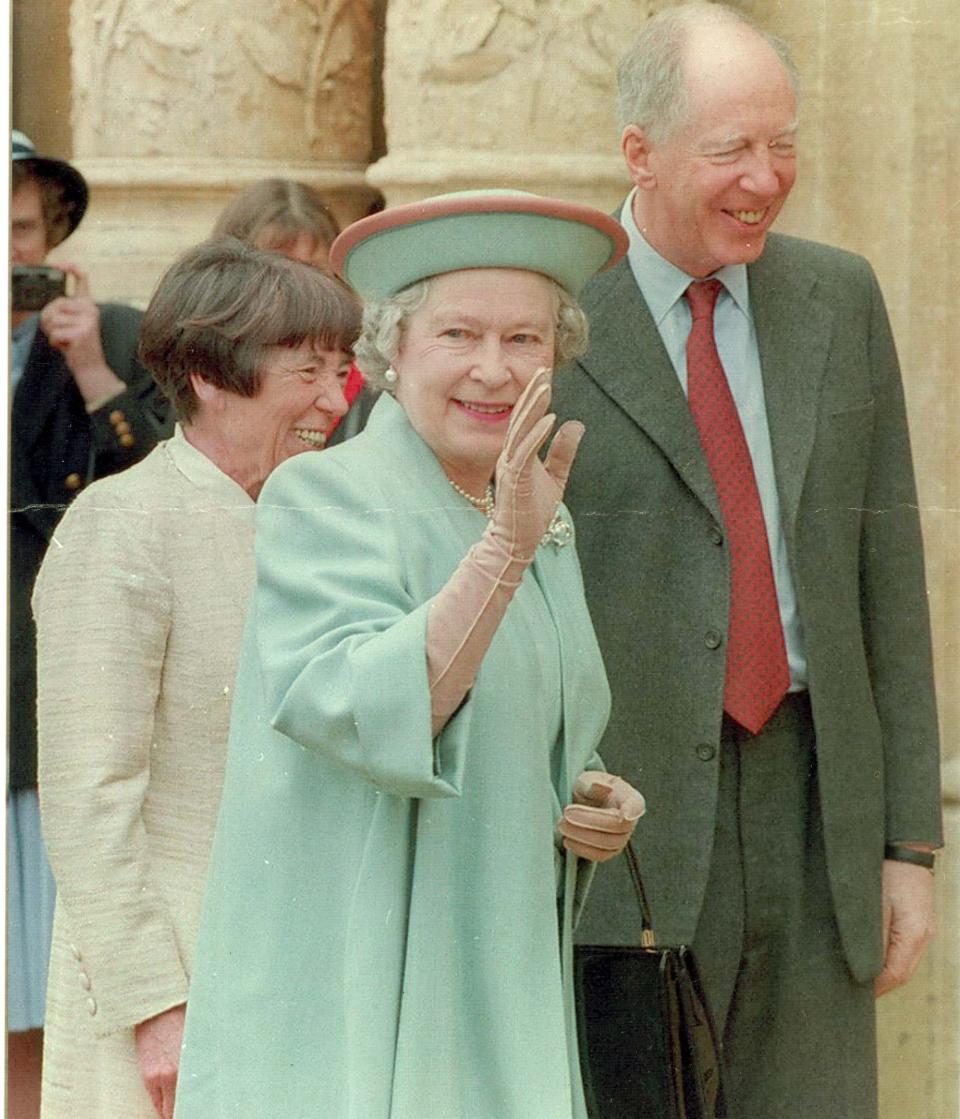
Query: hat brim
{"points": [[567, 241], [75, 192]]}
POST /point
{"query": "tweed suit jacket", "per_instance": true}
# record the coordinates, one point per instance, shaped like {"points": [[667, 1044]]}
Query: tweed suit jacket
{"points": [[56, 449], [651, 541], [140, 604]]}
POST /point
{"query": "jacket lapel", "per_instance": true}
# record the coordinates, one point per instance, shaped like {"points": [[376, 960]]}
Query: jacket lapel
{"points": [[228, 511], [39, 391], [794, 329], [628, 360]]}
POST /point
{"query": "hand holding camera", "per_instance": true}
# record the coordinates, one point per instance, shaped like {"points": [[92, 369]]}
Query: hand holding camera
{"points": [[72, 326]]}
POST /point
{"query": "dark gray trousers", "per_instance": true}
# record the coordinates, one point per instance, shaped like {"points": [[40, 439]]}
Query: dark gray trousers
{"points": [[798, 1033]]}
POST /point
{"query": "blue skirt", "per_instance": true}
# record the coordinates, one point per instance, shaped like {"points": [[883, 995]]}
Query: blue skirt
{"points": [[30, 898]]}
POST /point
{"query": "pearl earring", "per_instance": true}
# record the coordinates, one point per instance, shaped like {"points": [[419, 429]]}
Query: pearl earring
{"points": [[390, 376]]}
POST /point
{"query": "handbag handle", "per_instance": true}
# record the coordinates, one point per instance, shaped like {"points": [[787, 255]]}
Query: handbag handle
{"points": [[647, 937]]}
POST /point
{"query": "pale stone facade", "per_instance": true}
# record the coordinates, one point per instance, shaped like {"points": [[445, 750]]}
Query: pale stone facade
{"points": [[179, 102]]}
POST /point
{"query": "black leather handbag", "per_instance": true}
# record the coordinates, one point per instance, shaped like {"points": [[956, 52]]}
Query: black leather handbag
{"points": [[648, 1046]]}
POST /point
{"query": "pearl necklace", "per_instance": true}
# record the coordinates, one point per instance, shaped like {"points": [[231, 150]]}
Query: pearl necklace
{"points": [[559, 533], [484, 504]]}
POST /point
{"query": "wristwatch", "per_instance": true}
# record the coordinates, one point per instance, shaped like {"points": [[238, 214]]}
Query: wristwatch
{"points": [[900, 854]]}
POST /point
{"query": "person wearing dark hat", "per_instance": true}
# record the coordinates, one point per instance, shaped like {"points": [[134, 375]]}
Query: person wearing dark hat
{"points": [[82, 407], [387, 926]]}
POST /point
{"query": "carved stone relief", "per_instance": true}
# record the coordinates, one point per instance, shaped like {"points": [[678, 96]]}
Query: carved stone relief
{"points": [[202, 79], [510, 75]]}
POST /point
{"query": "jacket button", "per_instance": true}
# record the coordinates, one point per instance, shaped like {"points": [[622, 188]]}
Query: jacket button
{"points": [[73, 481], [712, 639], [706, 752], [127, 440], [117, 417], [75, 952], [85, 981], [92, 1005], [716, 536]]}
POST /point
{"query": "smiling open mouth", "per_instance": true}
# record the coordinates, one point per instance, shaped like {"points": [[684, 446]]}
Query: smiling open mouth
{"points": [[311, 436], [749, 217], [493, 411]]}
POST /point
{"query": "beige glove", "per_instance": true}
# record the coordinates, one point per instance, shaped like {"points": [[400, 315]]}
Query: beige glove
{"points": [[465, 614], [602, 817]]}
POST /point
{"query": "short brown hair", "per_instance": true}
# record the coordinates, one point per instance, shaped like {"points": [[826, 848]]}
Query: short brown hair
{"points": [[53, 200], [222, 305], [273, 213]]}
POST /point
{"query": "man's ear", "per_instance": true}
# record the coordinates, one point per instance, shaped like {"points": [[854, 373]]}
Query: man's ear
{"points": [[636, 150]]}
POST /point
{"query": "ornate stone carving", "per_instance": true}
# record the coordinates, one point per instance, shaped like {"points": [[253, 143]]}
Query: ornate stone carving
{"points": [[202, 79], [508, 92]]}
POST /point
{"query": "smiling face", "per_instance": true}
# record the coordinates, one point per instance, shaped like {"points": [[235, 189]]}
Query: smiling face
{"points": [[466, 354], [709, 193], [301, 394]]}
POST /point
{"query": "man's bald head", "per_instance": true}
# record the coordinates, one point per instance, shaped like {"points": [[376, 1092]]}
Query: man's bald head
{"points": [[653, 90]]}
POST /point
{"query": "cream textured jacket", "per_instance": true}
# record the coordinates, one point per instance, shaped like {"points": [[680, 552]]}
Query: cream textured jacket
{"points": [[139, 605]]}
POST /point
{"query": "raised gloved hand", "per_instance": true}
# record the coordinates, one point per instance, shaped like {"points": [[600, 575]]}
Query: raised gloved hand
{"points": [[465, 613], [602, 817], [528, 491]]}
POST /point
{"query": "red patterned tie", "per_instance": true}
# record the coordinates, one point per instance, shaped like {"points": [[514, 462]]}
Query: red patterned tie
{"points": [[757, 676]]}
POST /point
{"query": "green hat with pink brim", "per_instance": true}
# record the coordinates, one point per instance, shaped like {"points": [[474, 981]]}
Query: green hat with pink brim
{"points": [[567, 241]]}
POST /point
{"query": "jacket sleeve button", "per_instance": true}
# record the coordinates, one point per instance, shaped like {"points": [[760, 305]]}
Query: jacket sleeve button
{"points": [[117, 417], [73, 481], [127, 440], [92, 1006]]}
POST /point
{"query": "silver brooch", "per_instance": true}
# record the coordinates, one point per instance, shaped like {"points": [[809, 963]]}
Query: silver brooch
{"points": [[559, 533]]}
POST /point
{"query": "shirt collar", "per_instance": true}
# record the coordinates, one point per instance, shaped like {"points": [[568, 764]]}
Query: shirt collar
{"points": [[662, 283]]}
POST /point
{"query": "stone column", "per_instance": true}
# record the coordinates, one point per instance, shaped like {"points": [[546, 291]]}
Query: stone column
{"points": [[879, 166], [511, 93], [179, 103]]}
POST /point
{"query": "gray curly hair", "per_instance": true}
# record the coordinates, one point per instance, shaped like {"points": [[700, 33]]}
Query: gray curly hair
{"points": [[384, 319]]}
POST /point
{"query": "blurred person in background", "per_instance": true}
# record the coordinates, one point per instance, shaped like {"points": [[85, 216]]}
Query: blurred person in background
{"points": [[82, 407], [284, 216], [139, 607]]}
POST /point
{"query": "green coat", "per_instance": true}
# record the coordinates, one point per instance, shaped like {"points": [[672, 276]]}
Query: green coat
{"points": [[380, 935], [651, 542]]}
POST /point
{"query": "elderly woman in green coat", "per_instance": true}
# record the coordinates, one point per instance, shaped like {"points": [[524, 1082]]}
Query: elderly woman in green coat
{"points": [[412, 796]]}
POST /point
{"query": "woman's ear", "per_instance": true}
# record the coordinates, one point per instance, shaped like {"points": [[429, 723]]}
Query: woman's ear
{"points": [[636, 150], [207, 393]]}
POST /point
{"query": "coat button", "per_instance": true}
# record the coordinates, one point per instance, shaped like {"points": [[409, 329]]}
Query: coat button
{"points": [[716, 536], [127, 440], [706, 752], [73, 481], [92, 1005], [712, 639], [85, 981], [117, 417], [75, 952]]}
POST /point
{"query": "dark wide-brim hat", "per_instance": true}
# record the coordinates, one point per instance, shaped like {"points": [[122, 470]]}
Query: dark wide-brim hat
{"points": [[567, 241], [74, 185]]}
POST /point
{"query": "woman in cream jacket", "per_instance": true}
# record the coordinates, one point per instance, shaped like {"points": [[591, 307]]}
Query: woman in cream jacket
{"points": [[140, 606]]}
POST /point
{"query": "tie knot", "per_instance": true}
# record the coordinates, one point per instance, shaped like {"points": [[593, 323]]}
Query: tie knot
{"points": [[702, 296]]}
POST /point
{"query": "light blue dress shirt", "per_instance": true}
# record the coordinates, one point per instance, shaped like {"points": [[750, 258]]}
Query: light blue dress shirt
{"points": [[21, 343], [662, 285]]}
